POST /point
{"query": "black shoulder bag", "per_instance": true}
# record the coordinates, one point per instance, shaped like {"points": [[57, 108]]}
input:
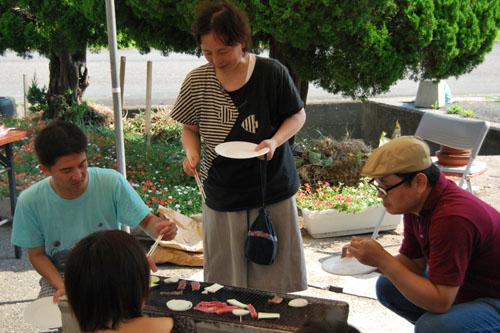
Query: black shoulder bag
{"points": [[261, 244]]}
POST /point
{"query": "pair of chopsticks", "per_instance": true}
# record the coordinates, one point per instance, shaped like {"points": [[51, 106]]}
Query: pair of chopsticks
{"points": [[154, 246], [197, 178]]}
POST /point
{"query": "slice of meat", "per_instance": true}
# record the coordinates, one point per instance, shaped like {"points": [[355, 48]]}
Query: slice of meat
{"points": [[210, 307], [175, 292], [213, 303], [207, 309], [182, 285], [195, 285], [253, 313], [275, 300]]}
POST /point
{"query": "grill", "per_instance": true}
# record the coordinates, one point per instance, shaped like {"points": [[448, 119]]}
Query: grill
{"points": [[290, 318]]}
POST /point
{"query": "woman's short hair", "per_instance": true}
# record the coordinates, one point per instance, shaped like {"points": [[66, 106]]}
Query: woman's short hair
{"points": [[106, 279], [229, 23], [59, 138]]}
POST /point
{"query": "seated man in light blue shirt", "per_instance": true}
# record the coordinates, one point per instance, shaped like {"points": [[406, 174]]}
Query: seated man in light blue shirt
{"points": [[72, 202]]}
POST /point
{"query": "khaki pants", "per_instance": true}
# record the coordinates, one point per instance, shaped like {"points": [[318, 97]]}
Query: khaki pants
{"points": [[224, 235]]}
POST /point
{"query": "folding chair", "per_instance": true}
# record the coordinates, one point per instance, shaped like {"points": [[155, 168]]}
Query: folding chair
{"points": [[458, 133]]}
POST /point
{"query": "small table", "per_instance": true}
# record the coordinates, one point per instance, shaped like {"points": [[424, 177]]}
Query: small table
{"points": [[7, 165]]}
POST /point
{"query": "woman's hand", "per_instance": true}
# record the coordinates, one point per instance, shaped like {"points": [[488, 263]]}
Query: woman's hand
{"points": [[269, 143], [190, 166]]}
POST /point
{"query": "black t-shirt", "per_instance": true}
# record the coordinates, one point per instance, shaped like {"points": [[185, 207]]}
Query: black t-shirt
{"points": [[253, 113]]}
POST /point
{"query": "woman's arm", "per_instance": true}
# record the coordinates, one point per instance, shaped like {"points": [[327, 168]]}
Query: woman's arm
{"points": [[192, 146], [289, 128]]}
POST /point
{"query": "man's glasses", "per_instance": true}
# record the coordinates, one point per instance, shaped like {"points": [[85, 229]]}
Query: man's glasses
{"points": [[384, 191]]}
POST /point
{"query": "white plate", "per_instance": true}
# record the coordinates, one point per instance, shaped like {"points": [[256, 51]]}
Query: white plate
{"points": [[239, 150], [298, 302], [346, 266], [179, 305], [43, 313]]}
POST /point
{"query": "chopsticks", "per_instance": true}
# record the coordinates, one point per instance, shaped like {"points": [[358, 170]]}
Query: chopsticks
{"points": [[197, 178], [154, 246]]}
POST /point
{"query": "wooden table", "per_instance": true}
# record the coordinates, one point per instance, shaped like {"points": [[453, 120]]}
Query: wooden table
{"points": [[7, 165]]}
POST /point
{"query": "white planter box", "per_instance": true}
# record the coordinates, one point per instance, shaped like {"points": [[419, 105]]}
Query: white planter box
{"points": [[429, 93], [331, 222]]}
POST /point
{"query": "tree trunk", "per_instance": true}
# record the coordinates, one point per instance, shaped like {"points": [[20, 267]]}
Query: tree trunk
{"points": [[68, 80], [277, 51]]}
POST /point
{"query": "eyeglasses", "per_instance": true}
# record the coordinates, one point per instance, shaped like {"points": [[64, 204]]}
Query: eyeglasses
{"points": [[384, 191]]}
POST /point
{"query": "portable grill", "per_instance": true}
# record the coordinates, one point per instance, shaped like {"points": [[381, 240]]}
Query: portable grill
{"points": [[290, 319]]}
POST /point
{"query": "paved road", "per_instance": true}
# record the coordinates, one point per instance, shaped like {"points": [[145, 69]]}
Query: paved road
{"points": [[168, 73]]}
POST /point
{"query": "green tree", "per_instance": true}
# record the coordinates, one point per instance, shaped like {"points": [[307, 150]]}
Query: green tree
{"points": [[58, 31], [360, 48]]}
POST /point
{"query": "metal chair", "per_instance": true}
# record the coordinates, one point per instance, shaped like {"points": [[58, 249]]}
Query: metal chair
{"points": [[458, 133]]}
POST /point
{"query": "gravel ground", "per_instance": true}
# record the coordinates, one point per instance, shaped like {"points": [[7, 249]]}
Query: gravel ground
{"points": [[19, 282]]}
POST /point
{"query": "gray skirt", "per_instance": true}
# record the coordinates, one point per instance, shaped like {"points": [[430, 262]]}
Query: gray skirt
{"points": [[224, 235]]}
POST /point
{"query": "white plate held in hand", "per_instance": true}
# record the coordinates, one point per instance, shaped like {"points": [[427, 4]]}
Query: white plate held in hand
{"points": [[239, 150], [43, 313], [346, 266]]}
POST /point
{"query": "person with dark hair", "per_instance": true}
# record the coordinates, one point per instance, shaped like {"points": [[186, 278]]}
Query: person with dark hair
{"points": [[444, 278], [107, 284], [72, 202], [238, 96]]}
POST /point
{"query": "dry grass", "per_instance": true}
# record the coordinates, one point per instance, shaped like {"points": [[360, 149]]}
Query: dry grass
{"points": [[348, 155]]}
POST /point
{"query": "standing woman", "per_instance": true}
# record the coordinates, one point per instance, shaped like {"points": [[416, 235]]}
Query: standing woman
{"points": [[238, 96]]}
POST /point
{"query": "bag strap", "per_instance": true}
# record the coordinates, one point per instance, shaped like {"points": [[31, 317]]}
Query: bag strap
{"points": [[263, 179]]}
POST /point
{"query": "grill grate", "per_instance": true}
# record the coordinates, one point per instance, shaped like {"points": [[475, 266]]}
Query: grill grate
{"points": [[290, 318]]}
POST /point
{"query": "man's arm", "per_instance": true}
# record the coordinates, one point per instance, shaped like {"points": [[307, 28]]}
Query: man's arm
{"points": [[155, 226], [47, 270], [404, 273]]}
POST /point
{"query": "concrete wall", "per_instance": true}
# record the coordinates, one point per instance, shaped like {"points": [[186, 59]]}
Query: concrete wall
{"points": [[367, 120]]}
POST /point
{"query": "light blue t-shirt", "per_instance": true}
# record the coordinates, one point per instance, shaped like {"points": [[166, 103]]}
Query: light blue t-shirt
{"points": [[44, 218]]}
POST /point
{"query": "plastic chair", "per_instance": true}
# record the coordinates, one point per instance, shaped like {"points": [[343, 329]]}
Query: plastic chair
{"points": [[458, 133]]}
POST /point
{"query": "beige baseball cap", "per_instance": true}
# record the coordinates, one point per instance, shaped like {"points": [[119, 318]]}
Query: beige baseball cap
{"points": [[400, 155]]}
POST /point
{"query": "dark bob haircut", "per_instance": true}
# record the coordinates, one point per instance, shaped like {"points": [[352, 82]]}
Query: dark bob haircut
{"points": [[106, 279], [59, 138], [225, 20]]}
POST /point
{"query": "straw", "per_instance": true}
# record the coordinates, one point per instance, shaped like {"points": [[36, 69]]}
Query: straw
{"points": [[197, 178], [379, 224], [155, 245]]}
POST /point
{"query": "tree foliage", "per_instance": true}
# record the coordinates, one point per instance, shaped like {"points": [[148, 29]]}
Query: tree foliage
{"points": [[56, 30], [357, 48], [360, 48]]}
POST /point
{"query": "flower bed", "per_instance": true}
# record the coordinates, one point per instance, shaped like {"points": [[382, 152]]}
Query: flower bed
{"points": [[330, 211]]}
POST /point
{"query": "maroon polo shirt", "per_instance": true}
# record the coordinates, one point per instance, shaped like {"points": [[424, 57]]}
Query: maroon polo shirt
{"points": [[459, 236]]}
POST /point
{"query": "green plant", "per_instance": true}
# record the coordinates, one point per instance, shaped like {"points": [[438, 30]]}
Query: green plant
{"points": [[78, 113], [457, 109], [343, 198], [162, 126], [37, 97], [435, 106], [155, 172], [494, 98]]}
